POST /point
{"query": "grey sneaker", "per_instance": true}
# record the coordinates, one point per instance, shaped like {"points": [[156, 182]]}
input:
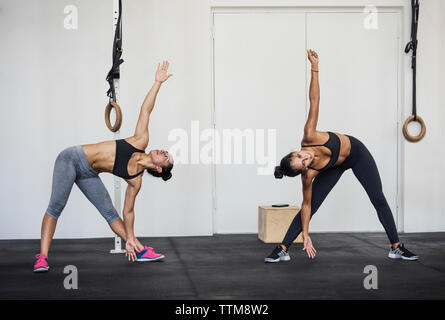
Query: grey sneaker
{"points": [[402, 253], [277, 255]]}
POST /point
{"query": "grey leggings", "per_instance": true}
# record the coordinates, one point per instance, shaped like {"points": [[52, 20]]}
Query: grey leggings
{"points": [[71, 167]]}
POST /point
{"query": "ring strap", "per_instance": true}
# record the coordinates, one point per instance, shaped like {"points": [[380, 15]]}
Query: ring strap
{"points": [[412, 46]]}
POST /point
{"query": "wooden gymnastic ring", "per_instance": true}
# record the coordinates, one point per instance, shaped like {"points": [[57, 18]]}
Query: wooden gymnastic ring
{"points": [[118, 123], [422, 130]]}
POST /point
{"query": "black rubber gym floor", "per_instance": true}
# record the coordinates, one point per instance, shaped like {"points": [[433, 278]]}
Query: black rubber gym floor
{"points": [[228, 267]]}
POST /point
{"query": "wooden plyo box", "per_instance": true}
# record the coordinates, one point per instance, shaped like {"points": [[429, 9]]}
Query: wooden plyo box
{"points": [[273, 223]]}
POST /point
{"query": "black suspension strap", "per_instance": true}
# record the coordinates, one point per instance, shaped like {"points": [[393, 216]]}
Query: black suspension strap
{"points": [[412, 46], [113, 74]]}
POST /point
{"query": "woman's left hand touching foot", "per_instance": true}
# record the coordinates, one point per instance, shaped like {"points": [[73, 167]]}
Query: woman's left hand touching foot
{"points": [[130, 250]]}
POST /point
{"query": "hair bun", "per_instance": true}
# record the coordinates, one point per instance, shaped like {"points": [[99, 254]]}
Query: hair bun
{"points": [[166, 177], [278, 172]]}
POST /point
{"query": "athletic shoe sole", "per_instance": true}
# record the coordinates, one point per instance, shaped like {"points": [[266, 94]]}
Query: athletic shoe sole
{"points": [[410, 259], [270, 260], [150, 260], [41, 270], [397, 256]]}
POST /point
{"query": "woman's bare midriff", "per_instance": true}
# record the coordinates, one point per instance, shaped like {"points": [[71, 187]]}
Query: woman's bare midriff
{"points": [[345, 148], [101, 155]]}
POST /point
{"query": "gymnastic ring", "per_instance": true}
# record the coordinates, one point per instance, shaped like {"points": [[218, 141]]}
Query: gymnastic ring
{"points": [[118, 123], [422, 130]]}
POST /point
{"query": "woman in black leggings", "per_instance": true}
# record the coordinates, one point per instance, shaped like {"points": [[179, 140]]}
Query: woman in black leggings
{"points": [[321, 162]]}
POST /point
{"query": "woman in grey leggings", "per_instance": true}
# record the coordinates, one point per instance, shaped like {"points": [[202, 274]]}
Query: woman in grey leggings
{"points": [[124, 158]]}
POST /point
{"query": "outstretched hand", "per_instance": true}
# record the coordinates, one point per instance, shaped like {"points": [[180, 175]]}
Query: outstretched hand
{"points": [[312, 56], [308, 247], [130, 250], [161, 72]]}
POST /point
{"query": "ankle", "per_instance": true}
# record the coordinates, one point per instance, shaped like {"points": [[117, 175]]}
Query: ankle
{"points": [[395, 245], [283, 247]]}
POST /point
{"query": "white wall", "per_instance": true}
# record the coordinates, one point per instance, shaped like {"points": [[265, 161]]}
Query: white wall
{"points": [[424, 171], [173, 30], [53, 86], [52, 92]]}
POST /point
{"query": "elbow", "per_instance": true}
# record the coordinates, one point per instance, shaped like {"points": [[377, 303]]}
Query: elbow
{"points": [[309, 131], [314, 99], [306, 205], [128, 213]]}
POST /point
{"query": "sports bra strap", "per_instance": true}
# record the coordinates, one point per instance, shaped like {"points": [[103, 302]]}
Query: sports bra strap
{"points": [[135, 175], [333, 144], [313, 145]]}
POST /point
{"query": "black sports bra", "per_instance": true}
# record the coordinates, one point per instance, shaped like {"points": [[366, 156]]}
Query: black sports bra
{"points": [[124, 150], [332, 144]]}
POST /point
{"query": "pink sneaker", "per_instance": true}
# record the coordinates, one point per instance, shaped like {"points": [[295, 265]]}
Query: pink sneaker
{"points": [[41, 264], [148, 254]]}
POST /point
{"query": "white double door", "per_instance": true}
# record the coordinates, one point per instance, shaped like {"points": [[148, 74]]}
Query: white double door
{"points": [[261, 82]]}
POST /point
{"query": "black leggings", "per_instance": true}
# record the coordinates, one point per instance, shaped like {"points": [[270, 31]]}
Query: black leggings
{"points": [[364, 168]]}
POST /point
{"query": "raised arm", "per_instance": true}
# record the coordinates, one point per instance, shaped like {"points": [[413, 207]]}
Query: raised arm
{"points": [[314, 97], [150, 99]]}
